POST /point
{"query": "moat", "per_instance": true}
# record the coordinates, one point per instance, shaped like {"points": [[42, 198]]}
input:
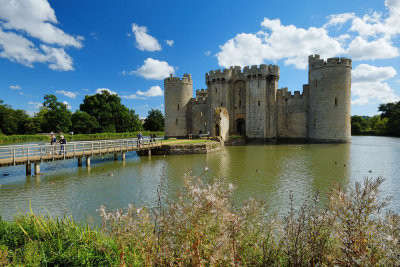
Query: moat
{"points": [[268, 172]]}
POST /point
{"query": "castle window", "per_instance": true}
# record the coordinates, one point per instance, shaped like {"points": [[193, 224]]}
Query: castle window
{"points": [[201, 114], [259, 103], [222, 104], [315, 122], [258, 84], [215, 89], [178, 106], [316, 83], [176, 121], [336, 101], [205, 123]]}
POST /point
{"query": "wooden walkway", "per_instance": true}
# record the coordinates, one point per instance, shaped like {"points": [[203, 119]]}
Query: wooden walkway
{"points": [[34, 153]]}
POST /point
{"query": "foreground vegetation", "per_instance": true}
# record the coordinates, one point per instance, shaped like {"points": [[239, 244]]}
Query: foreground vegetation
{"points": [[10, 139], [203, 227]]}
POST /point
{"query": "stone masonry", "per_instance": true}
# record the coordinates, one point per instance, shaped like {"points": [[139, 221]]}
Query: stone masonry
{"points": [[254, 107]]}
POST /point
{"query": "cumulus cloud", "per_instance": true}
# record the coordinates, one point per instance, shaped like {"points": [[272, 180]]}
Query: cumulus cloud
{"points": [[154, 69], [67, 104], [100, 90], [169, 42], [15, 87], [66, 93], [368, 85], [151, 92], [24, 19], [35, 105], [144, 41], [369, 37]]}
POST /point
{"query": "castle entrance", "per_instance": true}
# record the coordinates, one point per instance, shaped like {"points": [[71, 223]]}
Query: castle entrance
{"points": [[217, 130], [240, 126]]}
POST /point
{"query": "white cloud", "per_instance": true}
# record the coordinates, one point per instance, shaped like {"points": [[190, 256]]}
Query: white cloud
{"points": [[360, 49], [368, 85], [207, 53], [154, 69], [169, 42], [100, 90], [35, 105], [66, 93], [366, 38], [67, 104], [144, 41], [20, 19], [278, 42], [15, 87], [339, 19], [152, 92]]}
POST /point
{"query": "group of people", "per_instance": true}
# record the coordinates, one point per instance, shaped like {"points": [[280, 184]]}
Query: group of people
{"points": [[62, 142], [153, 138]]}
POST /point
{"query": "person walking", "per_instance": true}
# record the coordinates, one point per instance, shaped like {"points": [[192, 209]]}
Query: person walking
{"points": [[63, 142], [53, 139]]}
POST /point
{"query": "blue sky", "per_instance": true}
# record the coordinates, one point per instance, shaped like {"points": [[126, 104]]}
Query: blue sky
{"points": [[72, 48]]}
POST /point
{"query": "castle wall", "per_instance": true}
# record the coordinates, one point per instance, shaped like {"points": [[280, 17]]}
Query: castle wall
{"points": [[198, 116], [256, 108], [292, 114], [177, 94], [330, 99]]}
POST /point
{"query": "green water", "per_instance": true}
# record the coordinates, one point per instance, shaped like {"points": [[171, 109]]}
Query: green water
{"points": [[268, 172]]}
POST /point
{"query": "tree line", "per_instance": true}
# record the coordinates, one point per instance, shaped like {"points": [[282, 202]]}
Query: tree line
{"points": [[102, 112], [387, 123]]}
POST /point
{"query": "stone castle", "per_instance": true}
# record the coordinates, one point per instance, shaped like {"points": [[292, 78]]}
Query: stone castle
{"points": [[248, 102]]}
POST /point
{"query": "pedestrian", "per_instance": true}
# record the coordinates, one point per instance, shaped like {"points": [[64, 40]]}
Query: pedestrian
{"points": [[63, 142], [53, 139], [154, 138], [140, 138]]}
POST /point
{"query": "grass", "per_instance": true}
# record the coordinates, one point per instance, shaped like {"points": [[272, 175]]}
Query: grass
{"points": [[11, 139], [203, 227]]}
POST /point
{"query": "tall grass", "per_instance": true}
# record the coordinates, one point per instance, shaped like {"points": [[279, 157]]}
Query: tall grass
{"points": [[203, 227], [11, 139]]}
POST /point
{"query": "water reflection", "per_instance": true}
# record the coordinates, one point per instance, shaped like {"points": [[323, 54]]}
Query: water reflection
{"points": [[268, 172]]}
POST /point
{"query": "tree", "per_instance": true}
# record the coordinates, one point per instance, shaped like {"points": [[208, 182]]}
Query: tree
{"points": [[358, 124], [391, 111], [154, 121], [57, 117], [84, 123], [12, 121], [378, 124], [110, 113]]}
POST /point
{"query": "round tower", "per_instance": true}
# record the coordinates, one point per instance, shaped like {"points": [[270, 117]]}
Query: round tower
{"points": [[177, 94], [329, 99]]}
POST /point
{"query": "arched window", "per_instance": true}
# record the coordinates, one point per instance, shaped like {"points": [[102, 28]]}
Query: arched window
{"points": [[259, 103], [316, 83], [201, 114], [178, 106], [336, 101]]}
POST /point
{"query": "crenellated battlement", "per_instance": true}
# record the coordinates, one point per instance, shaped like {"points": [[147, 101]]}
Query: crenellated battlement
{"points": [[187, 78], [285, 93], [236, 72], [314, 61]]}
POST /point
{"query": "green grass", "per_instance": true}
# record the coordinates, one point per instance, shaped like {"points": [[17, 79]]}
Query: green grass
{"points": [[12, 139]]}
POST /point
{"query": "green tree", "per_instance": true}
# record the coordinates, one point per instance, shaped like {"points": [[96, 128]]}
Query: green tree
{"points": [[154, 121], [391, 111], [84, 123], [361, 124], [12, 121], [110, 113], [378, 124], [57, 117]]}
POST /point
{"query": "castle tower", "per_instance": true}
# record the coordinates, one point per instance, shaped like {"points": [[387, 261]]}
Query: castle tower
{"points": [[177, 94], [329, 99]]}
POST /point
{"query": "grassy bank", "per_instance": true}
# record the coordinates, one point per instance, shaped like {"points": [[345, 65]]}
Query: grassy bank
{"points": [[203, 227], [12, 139]]}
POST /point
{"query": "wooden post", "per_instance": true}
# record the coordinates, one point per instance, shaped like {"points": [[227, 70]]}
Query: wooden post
{"points": [[87, 161], [28, 169], [37, 168], [123, 156], [149, 152], [115, 156], [80, 162], [14, 156]]}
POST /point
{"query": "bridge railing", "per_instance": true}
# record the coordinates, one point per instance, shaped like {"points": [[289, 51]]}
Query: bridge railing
{"points": [[98, 147]]}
